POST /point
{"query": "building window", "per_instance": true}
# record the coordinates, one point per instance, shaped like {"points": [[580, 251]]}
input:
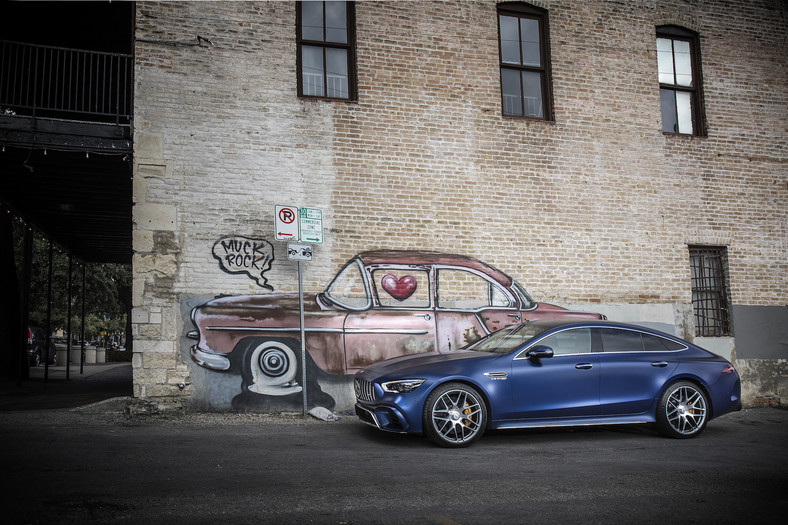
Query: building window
{"points": [[709, 290], [678, 61], [525, 64], [326, 55]]}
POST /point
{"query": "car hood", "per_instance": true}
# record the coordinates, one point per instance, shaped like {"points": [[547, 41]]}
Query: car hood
{"points": [[446, 363], [263, 310]]}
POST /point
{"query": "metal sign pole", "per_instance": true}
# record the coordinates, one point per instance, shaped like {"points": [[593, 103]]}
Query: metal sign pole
{"points": [[303, 339]]}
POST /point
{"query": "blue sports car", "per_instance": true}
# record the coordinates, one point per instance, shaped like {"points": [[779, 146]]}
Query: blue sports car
{"points": [[550, 373]]}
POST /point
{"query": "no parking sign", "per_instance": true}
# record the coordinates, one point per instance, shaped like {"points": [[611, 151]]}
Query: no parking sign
{"points": [[286, 223]]}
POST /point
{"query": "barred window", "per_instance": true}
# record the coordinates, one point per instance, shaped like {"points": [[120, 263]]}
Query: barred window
{"points": [[326, 50], [524, 60], [709, 290], [678, 61]]}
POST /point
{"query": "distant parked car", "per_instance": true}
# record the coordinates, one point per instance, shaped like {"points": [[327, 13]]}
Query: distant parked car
{"points": [[36, 341], [381, 304], [552, 373]]}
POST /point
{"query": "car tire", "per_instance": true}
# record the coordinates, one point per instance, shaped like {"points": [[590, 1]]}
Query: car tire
{"points": [[682, 411], [272, 367], [455, 415]]}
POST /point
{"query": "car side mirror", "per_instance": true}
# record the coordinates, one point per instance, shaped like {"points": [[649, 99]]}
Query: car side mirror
{"points": [[539, 352]]}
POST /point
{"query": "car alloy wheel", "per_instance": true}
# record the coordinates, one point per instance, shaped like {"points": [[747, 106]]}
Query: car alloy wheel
{"points": [[682, 410], [455, 415]]}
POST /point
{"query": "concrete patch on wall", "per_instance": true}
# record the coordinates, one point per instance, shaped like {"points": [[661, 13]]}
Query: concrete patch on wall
{"points": [[764, 382], [658, 316], [722, 346]]}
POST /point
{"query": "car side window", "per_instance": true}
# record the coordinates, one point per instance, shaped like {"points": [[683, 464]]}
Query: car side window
{"points": [[462, 290], [572, 341], [348, 289], [398, 288], [615, 340], [653, 343]]}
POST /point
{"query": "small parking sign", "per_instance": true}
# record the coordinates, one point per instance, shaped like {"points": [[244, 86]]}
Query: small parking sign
{"points": [[311, 222]]}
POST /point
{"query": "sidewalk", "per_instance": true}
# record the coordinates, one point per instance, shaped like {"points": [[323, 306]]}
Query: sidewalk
{"points": [[97, 382]]}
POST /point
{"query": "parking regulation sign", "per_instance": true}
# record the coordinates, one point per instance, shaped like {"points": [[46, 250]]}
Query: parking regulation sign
{"points": [[286, 223], [311, 220]]}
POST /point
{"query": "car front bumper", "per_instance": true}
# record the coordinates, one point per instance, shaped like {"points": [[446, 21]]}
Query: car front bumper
{"points": [[210, 360], [383, 417]]}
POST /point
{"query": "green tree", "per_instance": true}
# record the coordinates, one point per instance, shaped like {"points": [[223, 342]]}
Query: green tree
{"points": [[107, 294]]}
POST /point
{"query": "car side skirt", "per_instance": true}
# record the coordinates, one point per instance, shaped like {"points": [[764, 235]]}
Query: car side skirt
{"points": [[573, 422]]}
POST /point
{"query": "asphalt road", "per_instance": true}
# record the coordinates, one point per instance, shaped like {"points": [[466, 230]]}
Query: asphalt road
{"points": [[98, 465]]}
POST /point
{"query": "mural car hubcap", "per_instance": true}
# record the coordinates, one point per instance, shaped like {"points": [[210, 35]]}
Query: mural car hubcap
{"points": [[273, 370], [273, 362]]}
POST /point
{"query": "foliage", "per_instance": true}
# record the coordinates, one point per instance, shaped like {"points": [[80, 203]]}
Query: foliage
{"points": [[106, 297]]}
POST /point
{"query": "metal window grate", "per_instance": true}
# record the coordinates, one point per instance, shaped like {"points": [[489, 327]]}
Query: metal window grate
{"points": [[709, 292]]}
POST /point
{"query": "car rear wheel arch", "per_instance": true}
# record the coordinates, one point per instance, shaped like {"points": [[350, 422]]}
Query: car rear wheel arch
{"points": [[699, 384], [697, 410]]}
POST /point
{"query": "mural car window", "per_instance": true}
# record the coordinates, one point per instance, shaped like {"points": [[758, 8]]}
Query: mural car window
{"points": [[466, 290], [402, 288], [348, 289]]}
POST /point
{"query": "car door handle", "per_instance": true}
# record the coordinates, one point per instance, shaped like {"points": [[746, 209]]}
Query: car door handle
{"points": [[584, 366], [426, 317], [659, 364], [516, 316]]}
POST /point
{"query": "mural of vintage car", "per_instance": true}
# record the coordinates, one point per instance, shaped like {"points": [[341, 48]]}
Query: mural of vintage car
{"points": [[382, 304]]}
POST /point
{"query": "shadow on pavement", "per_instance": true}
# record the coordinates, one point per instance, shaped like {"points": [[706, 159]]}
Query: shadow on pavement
{"points": [[97, 382]]}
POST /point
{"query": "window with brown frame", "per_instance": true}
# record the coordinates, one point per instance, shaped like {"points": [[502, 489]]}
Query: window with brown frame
{"points": [[525, 61], [678, 61], [326, 61], [709, 290]]}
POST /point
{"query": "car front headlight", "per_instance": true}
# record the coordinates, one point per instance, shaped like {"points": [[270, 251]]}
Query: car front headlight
{"points": [[402, 386]]}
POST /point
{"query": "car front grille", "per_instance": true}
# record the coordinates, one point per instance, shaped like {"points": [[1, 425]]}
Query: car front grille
{"points": [[365, 391]]}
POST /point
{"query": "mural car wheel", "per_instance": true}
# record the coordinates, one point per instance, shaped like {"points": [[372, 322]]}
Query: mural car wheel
{"points": [[682, 410], [454, 415], [274, 368]]}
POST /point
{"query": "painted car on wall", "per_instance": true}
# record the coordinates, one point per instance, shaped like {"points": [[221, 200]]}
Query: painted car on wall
{"points": [[551, 373], [382, 304]]}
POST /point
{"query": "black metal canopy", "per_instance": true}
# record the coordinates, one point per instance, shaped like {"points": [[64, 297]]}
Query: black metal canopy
{"points": [[65, 123], [81, 200]]}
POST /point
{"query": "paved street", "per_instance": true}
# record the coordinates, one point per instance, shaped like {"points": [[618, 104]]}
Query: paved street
{"points": [[98, 465]]}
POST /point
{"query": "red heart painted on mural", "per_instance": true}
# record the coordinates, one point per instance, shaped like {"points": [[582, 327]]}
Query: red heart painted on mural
{"points": [[399, 289]]}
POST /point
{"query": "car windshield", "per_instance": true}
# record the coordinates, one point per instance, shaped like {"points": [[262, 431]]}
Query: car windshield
{"points": [[508, 339], [348, 288]]}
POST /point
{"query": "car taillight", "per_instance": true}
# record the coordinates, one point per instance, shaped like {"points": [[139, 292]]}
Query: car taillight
{"points": [[29, 336], [729, 370]]}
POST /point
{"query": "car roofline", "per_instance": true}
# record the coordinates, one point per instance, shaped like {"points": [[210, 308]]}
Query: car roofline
{"points": [[418, 257]]}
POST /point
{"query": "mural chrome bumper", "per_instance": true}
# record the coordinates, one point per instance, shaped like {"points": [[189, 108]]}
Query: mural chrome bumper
{"points": [[209, 359]]}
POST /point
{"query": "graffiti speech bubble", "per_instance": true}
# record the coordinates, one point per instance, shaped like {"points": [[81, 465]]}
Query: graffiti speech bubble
{"points": [[244, 255]]}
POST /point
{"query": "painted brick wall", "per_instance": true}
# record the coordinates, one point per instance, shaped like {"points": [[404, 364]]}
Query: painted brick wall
{"points": [[596, 207]]}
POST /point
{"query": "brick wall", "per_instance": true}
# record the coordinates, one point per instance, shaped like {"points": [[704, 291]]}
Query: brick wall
{"points": [[595, 207]]}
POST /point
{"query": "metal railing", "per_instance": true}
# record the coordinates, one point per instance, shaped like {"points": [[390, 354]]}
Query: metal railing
{"points": [[57, 82]]}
